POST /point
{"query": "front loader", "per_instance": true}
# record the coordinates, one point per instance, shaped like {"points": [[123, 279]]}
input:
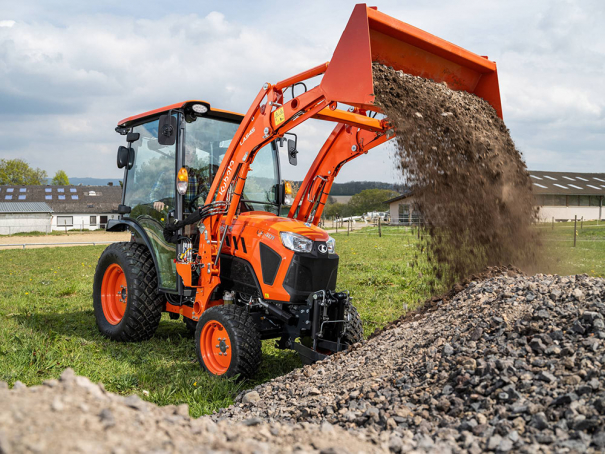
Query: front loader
{"points": [[213, 239]]}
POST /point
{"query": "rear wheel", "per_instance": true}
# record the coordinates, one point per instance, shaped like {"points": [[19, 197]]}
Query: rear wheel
{"points": [[126, 302], [228, 342]]}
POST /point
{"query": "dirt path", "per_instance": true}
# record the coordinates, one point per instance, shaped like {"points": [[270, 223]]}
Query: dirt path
{"points": [[11, 242]]}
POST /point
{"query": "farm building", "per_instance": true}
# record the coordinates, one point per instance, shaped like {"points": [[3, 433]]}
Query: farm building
{"points": [[73, 207], [563, 195], [401, 209], [559, 195], [19, 217]]}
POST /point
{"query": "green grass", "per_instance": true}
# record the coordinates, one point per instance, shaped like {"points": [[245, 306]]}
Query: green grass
{"points": [[559, 255], [47, 322], [55, 232]]}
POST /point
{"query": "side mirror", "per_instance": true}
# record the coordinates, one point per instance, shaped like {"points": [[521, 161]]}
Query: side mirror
{"points": [[167, 130], [123, 155], [292, 152]]}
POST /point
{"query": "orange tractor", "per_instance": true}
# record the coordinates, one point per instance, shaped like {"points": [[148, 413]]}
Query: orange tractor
{"points": [[213, 239]]}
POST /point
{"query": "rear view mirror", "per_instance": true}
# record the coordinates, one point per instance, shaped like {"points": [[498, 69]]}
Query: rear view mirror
{"points": [[167, 130], [292, 152], [123, 155]]}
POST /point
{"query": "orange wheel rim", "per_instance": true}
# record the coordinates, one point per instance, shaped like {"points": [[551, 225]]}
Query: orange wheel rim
{"points": [[215, 347], [114, 294]]}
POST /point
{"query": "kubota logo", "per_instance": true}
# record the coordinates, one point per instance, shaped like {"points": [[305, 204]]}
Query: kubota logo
{"points": [[246, 136], [225, 182]]}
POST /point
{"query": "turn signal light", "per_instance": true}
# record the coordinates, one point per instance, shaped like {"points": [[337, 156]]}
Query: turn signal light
{"points": [[288, 187], [182, 181]]}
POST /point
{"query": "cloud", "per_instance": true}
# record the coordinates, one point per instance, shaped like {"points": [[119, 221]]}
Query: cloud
{"points": [[70, 71]]}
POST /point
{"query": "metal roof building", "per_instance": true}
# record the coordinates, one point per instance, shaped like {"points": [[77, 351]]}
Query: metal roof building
{"points": [[25, 207], [560, 196], [568, 183], [18, 217]]}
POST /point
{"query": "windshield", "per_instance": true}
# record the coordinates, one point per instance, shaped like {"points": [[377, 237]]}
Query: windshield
{"points": [[259, 191], [206, 142]]}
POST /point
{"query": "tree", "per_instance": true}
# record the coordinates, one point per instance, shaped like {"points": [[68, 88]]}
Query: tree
{"points": [[60, 178], [370, 200], [18, 172], [337, 210]]}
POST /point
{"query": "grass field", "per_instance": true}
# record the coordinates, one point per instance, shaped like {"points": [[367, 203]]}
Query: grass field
{"points": [[47, 322], [560, 257]]}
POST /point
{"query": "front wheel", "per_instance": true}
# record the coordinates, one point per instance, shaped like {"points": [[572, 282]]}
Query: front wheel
{"points": [[126, 302], [228, 342], [354, 332]]}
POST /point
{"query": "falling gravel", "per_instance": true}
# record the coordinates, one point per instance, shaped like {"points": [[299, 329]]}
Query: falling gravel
{"points": [[467, 178], [510, 363]]}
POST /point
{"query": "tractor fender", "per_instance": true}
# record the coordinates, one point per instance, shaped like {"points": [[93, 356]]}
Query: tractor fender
{"points": [[138, 235]]}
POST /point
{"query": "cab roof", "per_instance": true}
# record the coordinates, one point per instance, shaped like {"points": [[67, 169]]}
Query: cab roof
{"points": [[226, 114]]}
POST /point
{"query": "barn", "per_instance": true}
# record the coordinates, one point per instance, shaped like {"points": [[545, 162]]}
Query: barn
{"points": [[563, 195], [73, 207], [559, 196], [20, 217]]}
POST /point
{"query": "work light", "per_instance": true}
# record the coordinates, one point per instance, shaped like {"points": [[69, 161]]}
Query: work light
{"points": [[182, 181]]}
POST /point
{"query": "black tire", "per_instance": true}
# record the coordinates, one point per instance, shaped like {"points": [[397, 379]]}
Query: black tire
{"points": [[190, 324], [243, 337], [354, 332], [144, 304]]}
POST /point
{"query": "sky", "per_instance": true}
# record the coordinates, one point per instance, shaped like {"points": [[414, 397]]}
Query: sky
{"points": [[70, 70]]}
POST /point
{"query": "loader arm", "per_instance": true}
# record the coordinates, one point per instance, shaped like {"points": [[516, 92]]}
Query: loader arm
{"points": [[347, 79], [355, 135]]}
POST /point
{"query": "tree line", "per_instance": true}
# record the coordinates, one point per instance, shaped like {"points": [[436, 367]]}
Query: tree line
{"points": [[17, 172]]}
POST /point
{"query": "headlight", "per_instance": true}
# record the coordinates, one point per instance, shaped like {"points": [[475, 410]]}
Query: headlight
{"points": [[296, 242], [331, 243]]}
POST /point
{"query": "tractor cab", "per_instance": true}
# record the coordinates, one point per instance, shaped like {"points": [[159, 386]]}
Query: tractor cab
{"points": [[172, 160]]}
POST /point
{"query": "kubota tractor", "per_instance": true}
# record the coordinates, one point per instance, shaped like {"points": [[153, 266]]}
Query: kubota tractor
{"points": [[212, 237]]}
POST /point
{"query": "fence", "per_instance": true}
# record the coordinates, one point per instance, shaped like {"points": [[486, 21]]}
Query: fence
{"points": [[47, 229], [79, 243]]}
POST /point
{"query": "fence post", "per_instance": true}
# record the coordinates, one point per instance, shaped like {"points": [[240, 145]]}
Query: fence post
{"points": [[582, 223], [553, 223], [575, 230], [379, 228], [337, 225]]}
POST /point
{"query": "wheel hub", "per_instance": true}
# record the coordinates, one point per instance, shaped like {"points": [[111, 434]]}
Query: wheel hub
{"points": [[215, 347], [114, 293]]}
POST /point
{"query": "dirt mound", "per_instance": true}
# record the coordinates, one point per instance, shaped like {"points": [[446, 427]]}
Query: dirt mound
{"points": [[511, 363], [76, 416], [467, 178]]}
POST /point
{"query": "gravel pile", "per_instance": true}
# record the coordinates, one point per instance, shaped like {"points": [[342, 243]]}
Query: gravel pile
{"points": [[510, 363], [76, 416]]}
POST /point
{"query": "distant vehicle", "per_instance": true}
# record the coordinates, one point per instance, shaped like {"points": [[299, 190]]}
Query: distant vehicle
{"points": [[373, 216]]}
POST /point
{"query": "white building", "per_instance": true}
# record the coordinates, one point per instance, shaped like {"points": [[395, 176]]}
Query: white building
{"points": [[73, 207], [560, 196], [563, 195], [401, 209], [19, 217]]}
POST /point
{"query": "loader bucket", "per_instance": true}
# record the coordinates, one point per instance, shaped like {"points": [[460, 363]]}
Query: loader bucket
{"points": [[372, 36]]}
